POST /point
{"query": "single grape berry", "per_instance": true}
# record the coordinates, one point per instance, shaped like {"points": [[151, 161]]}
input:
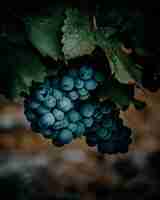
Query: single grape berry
{"points": [[65, 122], [88, 122], [87, 110], [48, 133], [41, 110], [65, 136], [86, 72], [80, 129], [58, 114], [90, 84], [57, 94], [46, 120], [58, 125], [98, 115], [79, 83], [67, 83], [72, 127], [103, 133], [41, 93], [83, 92], [74, 116], [65, 104], [50, 102], [91, 139], [73, 95]]}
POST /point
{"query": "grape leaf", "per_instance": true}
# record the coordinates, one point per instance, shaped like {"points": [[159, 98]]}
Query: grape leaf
{"points": [[20, 66], [123, 67], [121, 94], [44, 32], [77, 39]]}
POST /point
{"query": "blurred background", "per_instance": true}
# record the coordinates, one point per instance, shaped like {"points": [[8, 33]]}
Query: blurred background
{"points": [[32, 168]]}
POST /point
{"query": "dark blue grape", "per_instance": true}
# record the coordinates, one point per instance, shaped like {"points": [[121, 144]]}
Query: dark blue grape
{"points": [[73, 95], [104, 133], [87, 110], [58, 114], [46, 120], [72, 127], [41, 93], [47, 132], [57, 94], [80, 129], [58, 125], [67, 83], [50, 102], [90, 84], [65, 122], [79, 83], [107, 147], [84, 94], [98, 115], [42, 110], [74, 116], [91, 139], [86, 72], [65, 136], [65, 104], [88, 122]]}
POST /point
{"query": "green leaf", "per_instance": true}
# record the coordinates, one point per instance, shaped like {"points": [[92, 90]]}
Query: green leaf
{"points": [[121, 94], [77, 39], [19, 67], [123, 67], [44, 32]]}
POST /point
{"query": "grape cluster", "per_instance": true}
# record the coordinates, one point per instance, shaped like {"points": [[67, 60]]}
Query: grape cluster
{"points": [[61, 110], [108, 134]]}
